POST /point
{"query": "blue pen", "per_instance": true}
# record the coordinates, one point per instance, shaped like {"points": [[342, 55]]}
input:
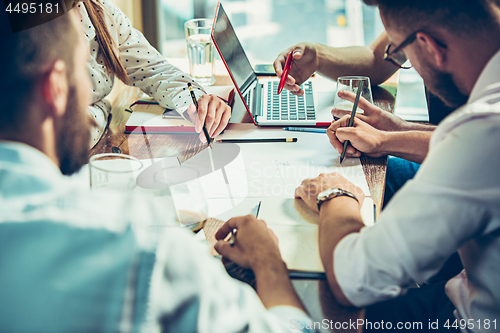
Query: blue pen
{"points": [[306, 129]]}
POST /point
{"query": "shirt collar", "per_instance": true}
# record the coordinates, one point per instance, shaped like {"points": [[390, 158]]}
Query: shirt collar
{"points": [[488, 82], [20, 157]]}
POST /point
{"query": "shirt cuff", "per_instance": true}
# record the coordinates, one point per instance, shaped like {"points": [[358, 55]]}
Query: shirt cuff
{"points": [[293, 318], [353, 273]]}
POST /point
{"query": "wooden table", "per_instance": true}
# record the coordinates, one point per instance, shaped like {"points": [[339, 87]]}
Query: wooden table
{"points": [[315, 294]]}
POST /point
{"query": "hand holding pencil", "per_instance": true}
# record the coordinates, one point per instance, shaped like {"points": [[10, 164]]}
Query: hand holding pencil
{"points": [[210, 111], [363, 138], [255, 245]]}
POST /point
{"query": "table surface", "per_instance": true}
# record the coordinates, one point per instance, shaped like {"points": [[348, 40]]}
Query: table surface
{"points": [[315, 294]]}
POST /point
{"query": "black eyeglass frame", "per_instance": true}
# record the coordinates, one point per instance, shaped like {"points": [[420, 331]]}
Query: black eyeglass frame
{"points": [[389, 56]]}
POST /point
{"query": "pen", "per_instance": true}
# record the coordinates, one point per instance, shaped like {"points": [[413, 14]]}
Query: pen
{"points": [[258, 140], [351, 120], [305, 129], [207, 136], [288, 65]]}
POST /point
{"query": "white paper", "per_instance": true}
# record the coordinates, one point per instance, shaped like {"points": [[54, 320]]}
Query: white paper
{"points": [[296, 227]]}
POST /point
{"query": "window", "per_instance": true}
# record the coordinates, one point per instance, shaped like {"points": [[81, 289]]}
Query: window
{"points": [[267, 27]]}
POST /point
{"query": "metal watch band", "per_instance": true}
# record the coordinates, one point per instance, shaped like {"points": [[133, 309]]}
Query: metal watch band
{"points": [[333, 193]]}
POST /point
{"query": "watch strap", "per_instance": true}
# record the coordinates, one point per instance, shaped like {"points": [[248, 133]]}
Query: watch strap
{"points": [[333, 193]]}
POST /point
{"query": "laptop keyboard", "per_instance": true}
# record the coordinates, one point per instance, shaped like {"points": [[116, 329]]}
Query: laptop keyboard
{"points": [[287, 106]]}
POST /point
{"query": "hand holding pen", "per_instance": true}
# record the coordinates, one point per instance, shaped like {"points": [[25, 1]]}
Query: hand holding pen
{"points": [[351, 119], [255, 245], [195, 102], [304, 66], [211, 111]]}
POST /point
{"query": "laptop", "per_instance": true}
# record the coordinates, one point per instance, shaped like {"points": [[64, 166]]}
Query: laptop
{"points": [[260, 96]]}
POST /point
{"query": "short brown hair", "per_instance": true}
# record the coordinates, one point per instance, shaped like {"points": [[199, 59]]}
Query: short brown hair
{"points": [[462, 17], [25, 56]]}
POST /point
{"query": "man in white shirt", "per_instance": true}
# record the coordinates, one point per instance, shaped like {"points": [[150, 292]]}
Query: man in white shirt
{"points": [[75, 261], [453, 203]]}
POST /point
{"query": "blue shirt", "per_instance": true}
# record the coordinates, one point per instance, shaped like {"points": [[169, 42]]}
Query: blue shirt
{"points": [[75, 260]]}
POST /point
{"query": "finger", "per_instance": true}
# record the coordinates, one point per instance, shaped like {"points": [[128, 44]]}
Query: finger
{"points": [[352, 152], [224, 248], [219, 113], [342, 122], [351, 97], [338, 113], [298, 51], [233, 223], [193, 115], [294, 89], [223, 121], [202, 110], [280, 62], [306, 181], [299, 192], [226, 228], [211, 116], [334, 141], [347, 133]]}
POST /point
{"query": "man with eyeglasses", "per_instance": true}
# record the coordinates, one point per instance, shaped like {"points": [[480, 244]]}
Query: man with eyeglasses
{"points": [[410, 141], [453, 203], [379, 61]]}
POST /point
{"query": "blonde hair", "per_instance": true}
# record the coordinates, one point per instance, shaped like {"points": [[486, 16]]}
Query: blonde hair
{"points": [[106, 44]]}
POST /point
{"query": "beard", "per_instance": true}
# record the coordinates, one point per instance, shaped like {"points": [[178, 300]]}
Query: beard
{"points": [[441, 84], [74, 135]]}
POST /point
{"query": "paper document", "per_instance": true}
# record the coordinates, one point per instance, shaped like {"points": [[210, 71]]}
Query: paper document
{"points": [[296, 227]]}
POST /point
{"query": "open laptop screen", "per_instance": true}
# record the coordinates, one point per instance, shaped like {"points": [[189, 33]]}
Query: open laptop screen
{"points": [[231, 51]]}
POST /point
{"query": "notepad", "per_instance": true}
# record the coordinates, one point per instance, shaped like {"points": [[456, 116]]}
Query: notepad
{"points": [[149, 117], [296, 227]]}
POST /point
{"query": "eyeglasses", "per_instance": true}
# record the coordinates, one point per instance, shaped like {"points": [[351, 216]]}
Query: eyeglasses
{"points": [[398, 57]]}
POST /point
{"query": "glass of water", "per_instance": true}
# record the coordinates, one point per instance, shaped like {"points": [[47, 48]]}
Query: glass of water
{"points": [[351, 83], [200, 50], [114, 171], [187, 195]]}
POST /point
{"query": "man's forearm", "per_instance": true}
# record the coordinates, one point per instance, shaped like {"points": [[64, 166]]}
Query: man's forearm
{"points": [[339, 217], [411, 145], [356, 60], [274, 286]]}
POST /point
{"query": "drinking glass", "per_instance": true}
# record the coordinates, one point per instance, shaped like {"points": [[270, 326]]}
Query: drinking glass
{"points": [[200, 50], [114, 171], [187, 194], [351, 83]]}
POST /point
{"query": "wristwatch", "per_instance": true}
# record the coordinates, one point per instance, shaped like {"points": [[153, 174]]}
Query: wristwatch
{"points": [[333, 193]]}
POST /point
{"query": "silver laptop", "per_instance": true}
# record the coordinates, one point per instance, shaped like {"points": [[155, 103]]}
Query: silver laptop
{"points": [[260, 96]]}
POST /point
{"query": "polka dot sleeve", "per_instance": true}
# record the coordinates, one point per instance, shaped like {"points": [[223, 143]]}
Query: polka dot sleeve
{"points": [[147, 68]]}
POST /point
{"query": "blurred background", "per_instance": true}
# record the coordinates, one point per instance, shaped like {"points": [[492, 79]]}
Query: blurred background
{"points": [[264, 27]]}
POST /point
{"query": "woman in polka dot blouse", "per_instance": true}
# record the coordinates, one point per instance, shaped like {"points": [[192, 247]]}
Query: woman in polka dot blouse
{"points": [[119, 50]]}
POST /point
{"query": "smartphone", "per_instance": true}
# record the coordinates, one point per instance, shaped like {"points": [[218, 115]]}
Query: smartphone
{"points": [[264, 70]]}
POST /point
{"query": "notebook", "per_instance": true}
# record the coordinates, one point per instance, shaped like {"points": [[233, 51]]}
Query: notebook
{"points": [[259, 96], [149, 117]]}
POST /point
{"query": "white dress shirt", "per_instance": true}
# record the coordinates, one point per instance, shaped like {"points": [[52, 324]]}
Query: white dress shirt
{"points": [[453, 203], [74, 260], [145, 66]]}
